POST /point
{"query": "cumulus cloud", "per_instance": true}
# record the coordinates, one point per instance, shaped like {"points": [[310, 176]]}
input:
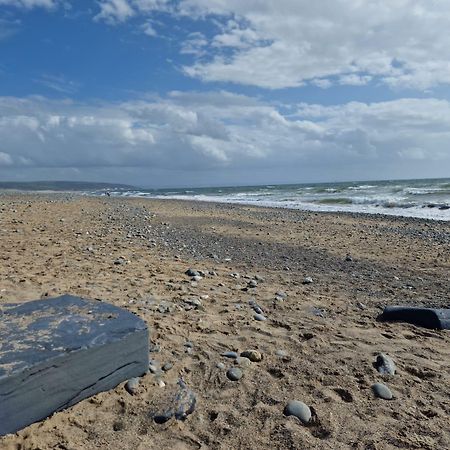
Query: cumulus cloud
{"points": [[224, 131]]}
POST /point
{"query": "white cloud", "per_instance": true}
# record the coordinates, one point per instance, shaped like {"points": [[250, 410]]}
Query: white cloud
{"points": [[216, 131], [114, 11], [29, 4], [401, 43]]}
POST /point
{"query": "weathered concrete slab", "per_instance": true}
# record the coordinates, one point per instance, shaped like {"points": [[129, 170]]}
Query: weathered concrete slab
{"points": [[438, 319], [56, 352]]}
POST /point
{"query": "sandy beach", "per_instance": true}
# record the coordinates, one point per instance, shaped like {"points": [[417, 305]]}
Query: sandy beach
{"points": [[318, 344]]}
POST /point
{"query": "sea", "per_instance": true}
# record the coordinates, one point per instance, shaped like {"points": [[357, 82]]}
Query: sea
{"points": [[424, 198]]}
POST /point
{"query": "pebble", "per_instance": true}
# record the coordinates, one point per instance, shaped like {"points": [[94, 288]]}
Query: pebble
{"points": [[252, 284], [189, 344], [252, 355], [234, 374], [307, 280], [232, 355], [282, 353], [132, 385], [259, 317], [197, 278], [167, 366], [299, 410], [220, 365], [281, 294], [192, 273], [382, 391], [385, 365], [242, 361]]}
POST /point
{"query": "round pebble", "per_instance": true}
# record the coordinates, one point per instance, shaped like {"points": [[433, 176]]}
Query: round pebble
{"points": [[382, 391], [220, 365], [282, 353], [132, 385], [299, 410], [307, 280], [252, 283], [167, 366], [259, 317], [252, 355], [242, 362], [234, 374]]}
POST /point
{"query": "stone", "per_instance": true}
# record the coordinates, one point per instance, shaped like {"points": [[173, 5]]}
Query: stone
{"points": [[438, 319], [220, 365], [307, 280], [385, 365], [132, 385], [167, 366], [179, 403], [382, 391], [252, 355], [282, 353], [281, 294], [231, 355], [234, 374], [259, 317], [197, 278], [242, 361], [299, 410], [192, 273], [42, 341], [252, 284]]}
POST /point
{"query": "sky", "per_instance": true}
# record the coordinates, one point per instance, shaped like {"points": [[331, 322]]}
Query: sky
{"points": [[167, 93]]}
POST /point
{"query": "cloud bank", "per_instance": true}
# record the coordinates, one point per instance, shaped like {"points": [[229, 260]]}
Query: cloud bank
{"points": [[225, 132]]}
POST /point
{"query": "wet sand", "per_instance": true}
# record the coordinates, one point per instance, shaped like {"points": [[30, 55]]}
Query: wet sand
{"points": [[134, 253]]}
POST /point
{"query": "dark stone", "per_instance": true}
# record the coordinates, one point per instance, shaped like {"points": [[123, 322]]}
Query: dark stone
{"points": [[385, 365], [299, 410], [437, 319], [234, 374], [382, 391], [192, 273], [57, 352], [179, 404]]}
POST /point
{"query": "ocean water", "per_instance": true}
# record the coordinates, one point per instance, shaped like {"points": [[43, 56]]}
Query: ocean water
{"points": [[413, 198]]}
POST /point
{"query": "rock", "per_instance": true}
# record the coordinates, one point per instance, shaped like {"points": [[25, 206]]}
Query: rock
{"points": [[189, 344], [220, 365], [259, 317], [252, 284], [382, 391], [242, 362], [282, 353], [348, 258], [385, 365], [252, 355], [281, 294], [299, 410], [234, 374], [41, 342], [231, 355], [192, 273], [167, 366], [132, 385], [197, 278], [307, 280], [259, 278], [179, 403]]}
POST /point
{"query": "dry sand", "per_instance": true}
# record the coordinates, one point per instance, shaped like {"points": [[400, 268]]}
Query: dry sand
{"points": [[56, 244]]}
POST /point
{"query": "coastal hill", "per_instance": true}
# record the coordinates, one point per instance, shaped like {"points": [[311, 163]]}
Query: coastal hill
{"points": [[62, 186]]}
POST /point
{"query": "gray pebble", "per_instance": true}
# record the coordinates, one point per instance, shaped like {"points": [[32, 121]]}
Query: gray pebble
{"points": [[282, 353], [252, 283], [234, 374], [231, 355], [167, 366], [220, 365], [191, 273], [299, 410], [259, 317], [382, 391], [385, 365], [281, 294], [307, 280], [132, 385], [242, 361], [189, 344]]}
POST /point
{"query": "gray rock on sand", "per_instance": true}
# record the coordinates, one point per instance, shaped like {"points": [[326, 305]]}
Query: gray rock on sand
{"points": [[179, 404], [252, 355], [252, 284], [132, 385], [382, 391], [234, 374], [220, 365], [385, 365], [192, 273], [242, 361], [259, 317], [307, 280], [231, 355], [299, 410]]}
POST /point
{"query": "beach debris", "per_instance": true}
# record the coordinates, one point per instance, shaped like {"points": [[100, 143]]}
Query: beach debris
{"points": [[382, 391], [252, 355], [98, 344], [132, 385], [308, 280], [259, 317], [385, 365], [234, 374], [178, 403], [299, 410], [437, 319]]}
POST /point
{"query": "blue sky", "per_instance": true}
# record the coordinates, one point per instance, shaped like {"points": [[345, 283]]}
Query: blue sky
{"points": [[196, 92]]}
